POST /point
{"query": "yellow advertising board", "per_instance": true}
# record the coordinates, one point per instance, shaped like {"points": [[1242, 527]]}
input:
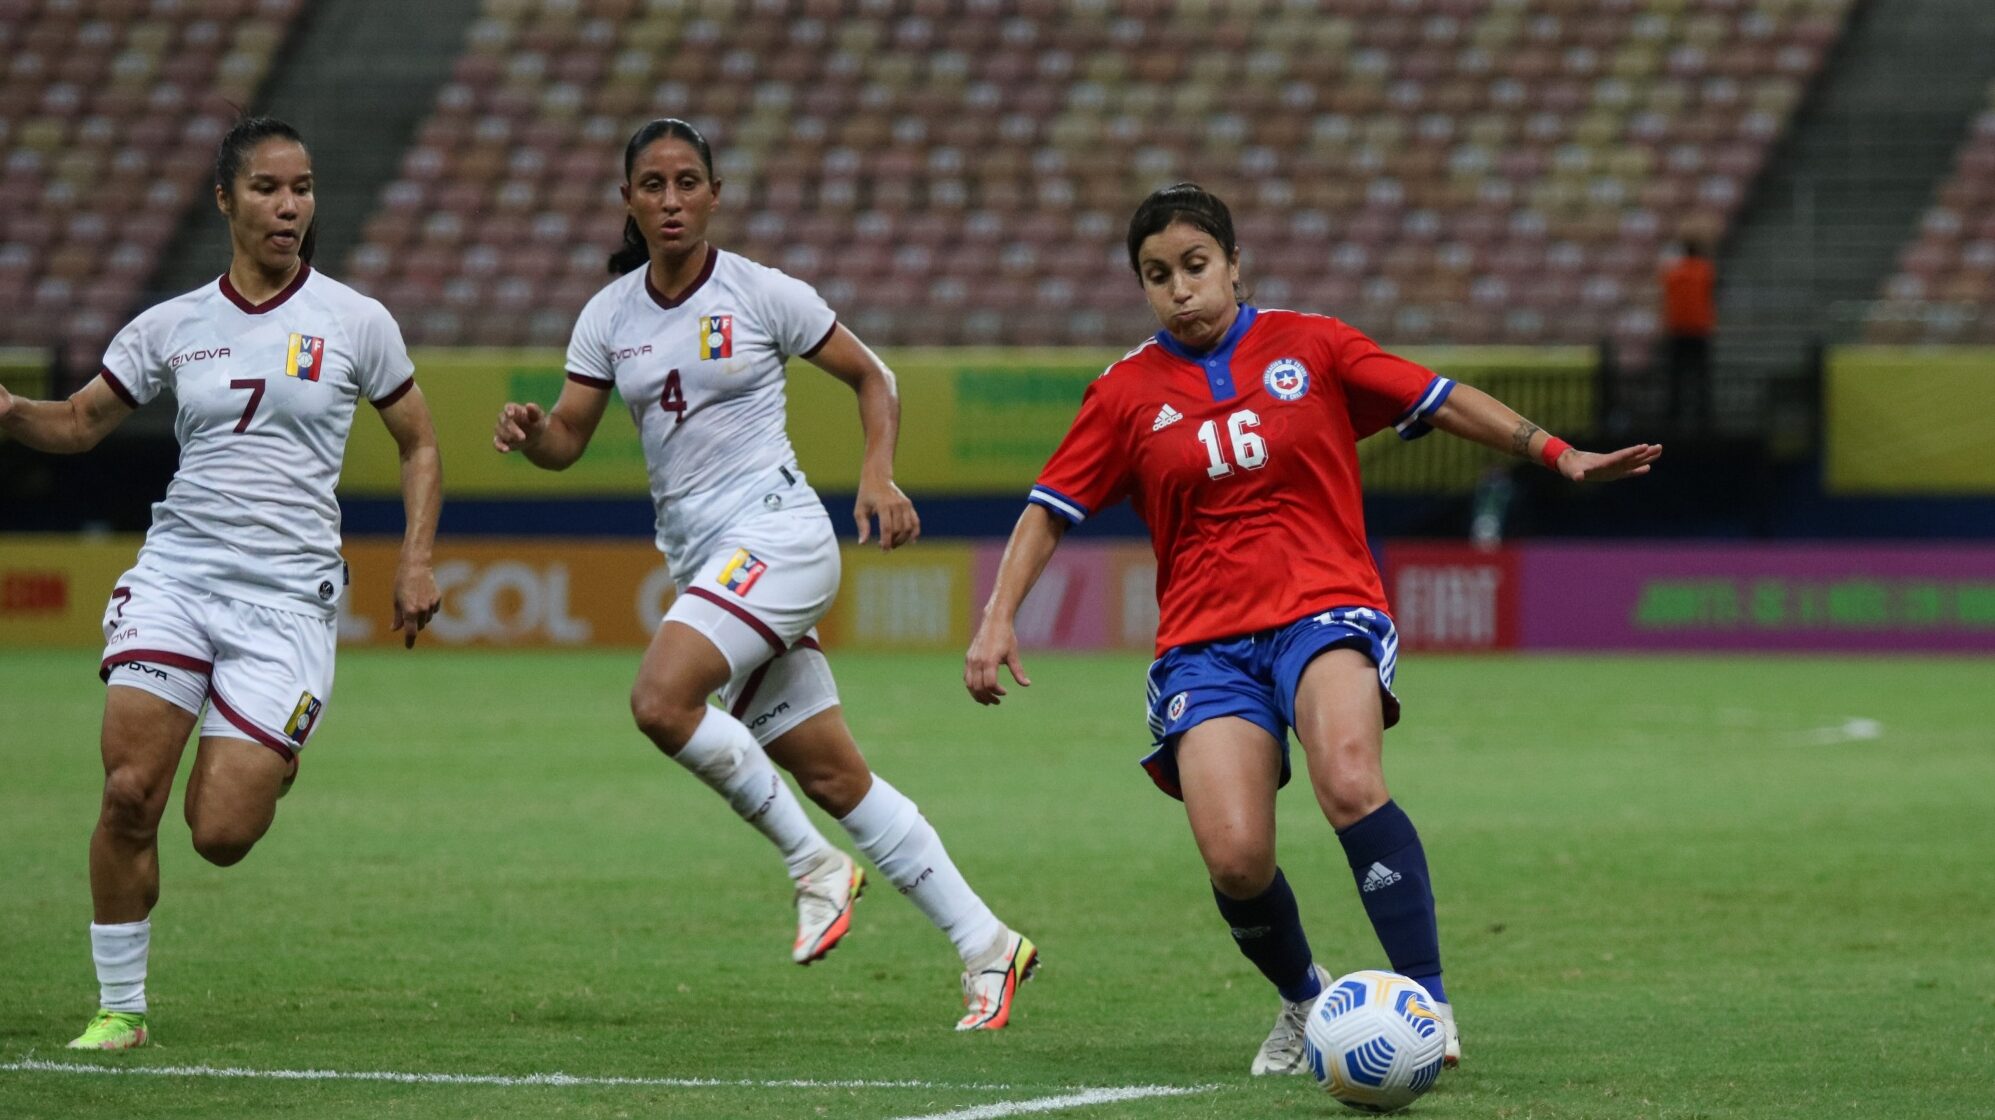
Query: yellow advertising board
{"points": [[24, 371], [1908, 420], [973, 422]]}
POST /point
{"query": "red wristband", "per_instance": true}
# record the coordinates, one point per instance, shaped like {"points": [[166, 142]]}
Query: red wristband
{"points": [[1554, 447]]}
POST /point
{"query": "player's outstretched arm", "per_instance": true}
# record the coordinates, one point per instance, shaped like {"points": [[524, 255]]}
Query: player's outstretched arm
{"points": [[1480, 418], [64, 427], [416, 595], [849, 360], [553, 440], [1032, 543]]}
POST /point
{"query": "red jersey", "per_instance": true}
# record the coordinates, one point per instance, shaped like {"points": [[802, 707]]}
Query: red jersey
{"points": [[1243, 461]]}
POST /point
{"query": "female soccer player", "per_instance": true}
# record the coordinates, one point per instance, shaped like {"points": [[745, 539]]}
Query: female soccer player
{"points": [[231, 606], [696, 340], [1235, 431]]}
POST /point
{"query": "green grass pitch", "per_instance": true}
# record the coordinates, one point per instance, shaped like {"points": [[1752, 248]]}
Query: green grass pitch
{"points": [[1669, 888]]}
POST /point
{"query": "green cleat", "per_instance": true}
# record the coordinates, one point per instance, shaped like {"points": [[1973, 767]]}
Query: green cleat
{"points": [[112, 1030]]}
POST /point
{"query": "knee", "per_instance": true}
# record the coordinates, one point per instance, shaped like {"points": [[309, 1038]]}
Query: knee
{"points": [[1352, 785], [666, 720], [1350, 799], [132, 803], [835, 789], [1243, 874], [222, 846]]}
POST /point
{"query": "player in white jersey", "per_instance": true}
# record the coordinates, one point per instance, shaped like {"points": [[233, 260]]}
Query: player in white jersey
{"points": [[696, 340], [231, 606]]}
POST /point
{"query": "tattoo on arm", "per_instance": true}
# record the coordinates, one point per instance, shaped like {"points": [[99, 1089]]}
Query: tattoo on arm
{"points": [[1520, 440]]}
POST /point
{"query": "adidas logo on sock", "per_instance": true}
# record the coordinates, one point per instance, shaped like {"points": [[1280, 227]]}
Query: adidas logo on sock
{"points": [[1380, 877], [1166, 416]]}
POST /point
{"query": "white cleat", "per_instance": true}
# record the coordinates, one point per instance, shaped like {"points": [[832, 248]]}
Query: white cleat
{"points": [[824, 906], [990, 984], [1451, 1055], [1282, 1052]]}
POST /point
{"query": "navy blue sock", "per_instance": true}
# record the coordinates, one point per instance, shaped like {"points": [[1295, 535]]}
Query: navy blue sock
{"points": [[1391, 869], [1269, 932]]}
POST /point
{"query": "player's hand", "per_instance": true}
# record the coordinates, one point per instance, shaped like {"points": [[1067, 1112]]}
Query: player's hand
{"points": [[1589, 466], [996, 644], [519, 425], [6, 402], [899, 524], [416, 600]]}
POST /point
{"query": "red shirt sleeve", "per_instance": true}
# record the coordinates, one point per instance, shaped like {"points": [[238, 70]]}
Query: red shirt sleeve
{"points": [[1384, 390], [1090, 471]]}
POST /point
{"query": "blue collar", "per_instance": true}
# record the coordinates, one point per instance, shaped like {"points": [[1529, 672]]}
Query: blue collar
{"points": [[1218, 361]]}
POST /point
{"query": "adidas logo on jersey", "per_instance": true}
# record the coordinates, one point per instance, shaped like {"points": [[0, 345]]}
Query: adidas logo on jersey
{"points": [[1380, 877], [1166, 416]]}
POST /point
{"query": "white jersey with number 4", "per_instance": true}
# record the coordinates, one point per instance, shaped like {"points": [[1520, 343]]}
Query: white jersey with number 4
{"points": [[703, 378], [266, 397]]}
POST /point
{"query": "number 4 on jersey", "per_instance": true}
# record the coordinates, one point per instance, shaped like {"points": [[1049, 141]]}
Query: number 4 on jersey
{"points": [[674, 398], [1249, 450]]}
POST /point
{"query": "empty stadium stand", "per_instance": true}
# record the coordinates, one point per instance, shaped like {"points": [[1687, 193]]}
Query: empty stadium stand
{"points": [[1944, 289], [109, 115], [959, 172]]}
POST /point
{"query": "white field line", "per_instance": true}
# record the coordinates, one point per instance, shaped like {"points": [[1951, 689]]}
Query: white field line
{"points": [[1070, 1100], [561, 1080]]}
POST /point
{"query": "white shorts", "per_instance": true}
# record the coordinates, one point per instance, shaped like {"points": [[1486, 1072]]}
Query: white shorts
{"points": [[758, 597], [783, 691], [261, 673]]}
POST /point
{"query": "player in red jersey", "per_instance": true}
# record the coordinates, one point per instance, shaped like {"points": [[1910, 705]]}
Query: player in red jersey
{"points": [[1234, 432]]}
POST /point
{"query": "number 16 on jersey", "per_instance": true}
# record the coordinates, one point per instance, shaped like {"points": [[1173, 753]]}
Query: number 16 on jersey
{"points": [[1249, 450]]}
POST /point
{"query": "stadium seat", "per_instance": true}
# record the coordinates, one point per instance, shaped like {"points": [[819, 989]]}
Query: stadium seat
{"points": [[1477, 170], [109, 109]]}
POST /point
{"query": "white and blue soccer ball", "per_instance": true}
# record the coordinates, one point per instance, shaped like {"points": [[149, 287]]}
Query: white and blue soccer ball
{"points": [[1374, 1040]]}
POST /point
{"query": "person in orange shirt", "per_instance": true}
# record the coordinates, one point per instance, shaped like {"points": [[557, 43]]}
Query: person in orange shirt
{"points": [[1690, 315]]}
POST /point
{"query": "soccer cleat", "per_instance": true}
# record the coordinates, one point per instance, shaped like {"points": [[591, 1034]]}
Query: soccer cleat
{"points": [[987, 991], [112, 1030], [824, 906], [1451, 1054], [1282, 1053]]}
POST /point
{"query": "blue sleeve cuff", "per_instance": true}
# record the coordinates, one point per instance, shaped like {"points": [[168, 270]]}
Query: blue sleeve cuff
{"points": [[1414, 424], [1072, 511]]}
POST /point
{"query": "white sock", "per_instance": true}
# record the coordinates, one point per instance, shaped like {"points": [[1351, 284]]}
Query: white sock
{"points": [[903, 845], [119, 951], [723, 754]]}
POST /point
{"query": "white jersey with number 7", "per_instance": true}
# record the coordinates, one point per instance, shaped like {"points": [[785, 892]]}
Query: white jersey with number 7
{"points": [[266, 394]]}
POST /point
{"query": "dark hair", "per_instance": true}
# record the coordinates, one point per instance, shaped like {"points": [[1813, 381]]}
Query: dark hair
{"points": [[242, 139], [1181, 202], [634, 252]]}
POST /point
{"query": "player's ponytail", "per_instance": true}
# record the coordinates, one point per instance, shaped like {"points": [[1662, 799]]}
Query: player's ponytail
{"points": [[1188, 203], [242, 139], [634, 252]]}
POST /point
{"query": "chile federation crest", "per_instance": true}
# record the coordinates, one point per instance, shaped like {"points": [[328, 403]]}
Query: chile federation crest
{"points": [[1286, 378]]}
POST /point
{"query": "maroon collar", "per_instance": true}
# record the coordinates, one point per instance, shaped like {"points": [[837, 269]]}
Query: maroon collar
{"points": [[706, 273], [271, 304]]}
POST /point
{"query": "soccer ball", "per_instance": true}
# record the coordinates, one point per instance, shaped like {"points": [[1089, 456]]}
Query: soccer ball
{"points": [[1374, 1040]]}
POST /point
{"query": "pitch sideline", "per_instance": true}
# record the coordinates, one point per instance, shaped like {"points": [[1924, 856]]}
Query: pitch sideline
{"points": [[1074, 1099]]}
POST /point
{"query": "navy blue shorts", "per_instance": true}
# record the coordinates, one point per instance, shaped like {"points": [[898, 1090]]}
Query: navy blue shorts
{"points": [[1254, 677]]}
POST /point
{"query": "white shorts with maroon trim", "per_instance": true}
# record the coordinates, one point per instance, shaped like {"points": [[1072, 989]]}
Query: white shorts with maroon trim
{"points": [[758, 598], [261, 673], [783, 691], [764, 586]]}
